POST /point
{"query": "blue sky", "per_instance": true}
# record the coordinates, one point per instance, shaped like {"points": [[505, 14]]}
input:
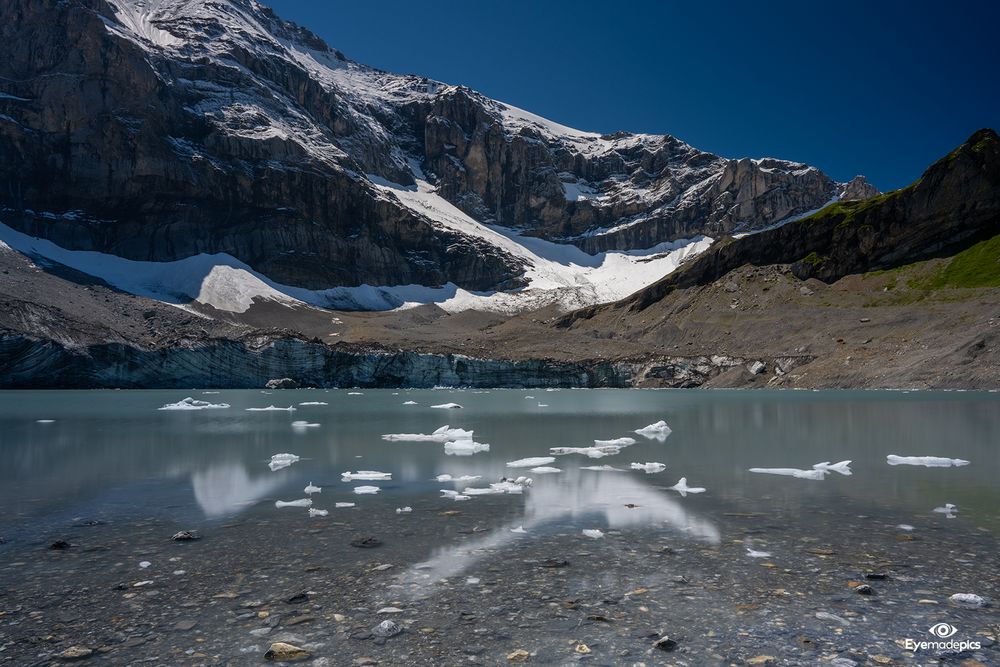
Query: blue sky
{"points": [[878, 88]]}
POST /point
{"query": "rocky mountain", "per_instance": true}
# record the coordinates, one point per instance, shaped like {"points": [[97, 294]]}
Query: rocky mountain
{"points": [[161, 130], [898, 291]]}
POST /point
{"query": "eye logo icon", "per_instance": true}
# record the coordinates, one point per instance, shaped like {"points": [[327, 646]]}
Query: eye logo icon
{"points": [[942, 630]]}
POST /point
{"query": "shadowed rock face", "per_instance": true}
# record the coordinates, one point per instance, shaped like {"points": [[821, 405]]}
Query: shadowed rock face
{"points": [[215, 148], [168, 128]]}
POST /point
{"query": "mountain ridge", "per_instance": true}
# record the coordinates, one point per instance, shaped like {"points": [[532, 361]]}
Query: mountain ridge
{"points": [[206, 127]]}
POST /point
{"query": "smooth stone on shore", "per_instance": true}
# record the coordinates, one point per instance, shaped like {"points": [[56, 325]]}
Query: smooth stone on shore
{"points": [[76, 653], [282, 652], [185, 624]]}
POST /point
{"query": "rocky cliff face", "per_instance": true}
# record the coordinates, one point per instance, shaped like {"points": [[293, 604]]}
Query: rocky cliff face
{"points": [[953, 204], [158, 129]]}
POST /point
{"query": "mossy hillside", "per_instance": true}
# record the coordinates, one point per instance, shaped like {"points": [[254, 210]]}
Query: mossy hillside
{"points": [[976, 266]]}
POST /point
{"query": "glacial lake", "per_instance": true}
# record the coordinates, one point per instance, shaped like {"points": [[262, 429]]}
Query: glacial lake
{"points": [[750, 566]]}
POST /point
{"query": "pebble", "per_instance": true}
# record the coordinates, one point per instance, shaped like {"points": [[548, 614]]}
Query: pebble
{"points": [[282, 652], [185, 624], [76, 653]]}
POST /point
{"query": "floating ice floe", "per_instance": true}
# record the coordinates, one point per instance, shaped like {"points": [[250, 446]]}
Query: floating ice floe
{"points": [[193, 404], [461, 478], [443, 434], [314, 403], [905, 526], [529, 398], [365, 476], [792, 472], [404, 510], [519, 530], [543, 405], [949, 510], [531, 462], [968, 600], [279, 461], [658, 431], [355, 393], [366, 490], [545, 470], [648, 467], [617, 442], [144, 564], [603, 468], [465, 447], [49, 421], [310, 489], [409, 402], [592, 452], [303, 426], [758, 554], [271, 408], [593, 532], [301, 502], [926, 461], [343, 505], [843, 467], [454, 495], [316, 512], [682, 487], [514, 486], [447, 406]]}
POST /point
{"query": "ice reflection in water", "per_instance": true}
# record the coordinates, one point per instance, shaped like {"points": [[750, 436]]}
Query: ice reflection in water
{"points": [[598, 497], [226, 488]]}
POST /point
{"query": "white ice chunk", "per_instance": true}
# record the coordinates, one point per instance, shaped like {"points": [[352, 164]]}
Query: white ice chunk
{"points": [[279, 461], [389, 610], [409, 402], [443, 434], [355, 393], [529, 398], [193, 404], [314, 403], [310, 489], [758, 554], [301, 502], [792, 472], [404, 510], [343, 505], [648, 467], [144, 564], [617, 442], [905, 526], [519, 530], [465, 447], [543, 470], [447, 406], [302, 426], [682, 487], [843, 467], [593, 532], [316, 512], [366, 490], [49, 421], [926, 461], [543, 405], [658, 431], [602, 468], [591, 452], [531, 462], [365, 476], [949, 510], [461, 478], [271, 408]]}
